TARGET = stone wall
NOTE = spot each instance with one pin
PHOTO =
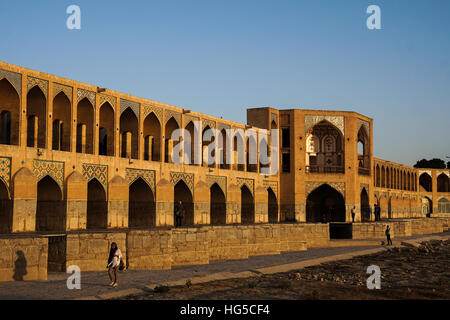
(23, 258)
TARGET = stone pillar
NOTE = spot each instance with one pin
(164, 203)
(82, 136)
(261, 205)
(149, 147)
(118, 192)
(201, 203)
(169, 150)
(76, 197)
(24, 190)
(233, 204)
(128, 137)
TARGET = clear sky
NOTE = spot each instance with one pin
(220, 57)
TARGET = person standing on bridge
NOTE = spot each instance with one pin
(115, 256)
(179, 213)
(353, 213)
(388, 235)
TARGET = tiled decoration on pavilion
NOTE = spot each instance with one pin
(208, 123)
(54, 169)
(188, 179)
(365, 124)
(188, 118)
(110, 99)
(220, 180)
(124, 104)
(42, 84)
(131, 175)
(364, 186)
(175, 115)
(223, 126)
(272, 185)
(97, 171)
(274, 118)
(68, 91)
(5, 170)
(156, 110)
(81, 94)
(250, 183)
(14, 78)
(312, 120)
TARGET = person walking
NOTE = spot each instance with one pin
(388, 235)
(353, 213)
(115, 256)
(179, 213)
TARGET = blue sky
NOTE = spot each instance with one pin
(220, 57)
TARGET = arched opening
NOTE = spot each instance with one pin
(247, 206)
(141, 205)
(9, 112)
(408, 182)
(106, 130)
(377, 176)
(5, 209)
(152, 138)
(36, 112)
(50, 207)
(238, 151)
(443, 205)
(129, 134)
(189, 156)
(97, 207)
(425, 183)
(224, 149)
(427, 206)
(388, 177)
(61, 123)
(85, 127)
(383, 177)
(325, 204)
(363, 151)
(272, 206)
(218, 206)
(205, 146)
(324, 149)
(365, 207)
(171, 126)
(184, 194)
(443, 183)
(251, 154)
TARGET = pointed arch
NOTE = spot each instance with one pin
(325, 203)
(61, 122)
(106, 130)
(5, 208)
(443, 183)
(183, 193)
(85, 127)
(272, 206)
(169, 144)
(425, 182)
(218, 207)
(36, 118)
(129, 134)
(97, 206)
(152, 137)
(247, 206)
(141, 205)
(189, 144)
(50, 207)
(9, 113)
(364, 205)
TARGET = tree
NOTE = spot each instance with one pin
(434, 163)
(448, 165)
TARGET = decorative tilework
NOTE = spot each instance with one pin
(189, 118)
(124, 104)
(42, 84)
(362, 186)
(14, 78)
(272, 184)
(54, 169)
(5, 170)
(313, 185)
(250, 183)
(188, 178)
(81, 94)
(111, 100)
(131, 175)
(312, 120)
(175, 115)
(273, 117)
(209, 123)
(97, 171)
(425, 171)
(223, 126)
(156, 110)
(444, 172)
(220, 180)
(68, 91)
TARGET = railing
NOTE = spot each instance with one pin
(325, 169)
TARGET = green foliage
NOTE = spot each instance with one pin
(434, 163)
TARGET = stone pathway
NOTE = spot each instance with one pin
(94, 285)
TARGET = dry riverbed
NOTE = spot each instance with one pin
(406, 273)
